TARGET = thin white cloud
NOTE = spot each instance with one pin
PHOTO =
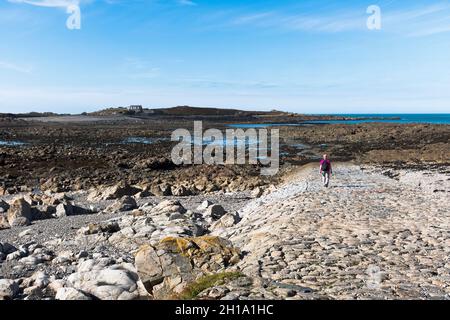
(335, 22)
(14, 67)
(137, 68)
(414, 21)
(418, 21)
(187, 3)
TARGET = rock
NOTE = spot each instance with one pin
(115, 192)
(65, 256)
(15, 255)
(94, 228)
(77, 210)
(31, 260)
(180, 191)
(8, 289)
(211, 187)
(116, 282)
(205, 204)
(167, 268)
(143, 194)
(7, 248)
(43, 212)
(82, 254)
(4, 224)
(20, 210)
(162, 190)
(126, 203)
(64, 210)
(215, 211)
(149, 267)
(40, 279)
(20, 222)
(257, 192)
(155, 266)
(176, 216)
(55, 285)
(25, 233)
(71, 294)
(226, 221)
(168, 207)
(128, 232)
(33, 292)
(4, 206)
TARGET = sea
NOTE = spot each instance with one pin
(435, 118)
(430, 118)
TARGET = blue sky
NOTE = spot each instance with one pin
(302, 56)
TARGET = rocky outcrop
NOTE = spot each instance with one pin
(169, 267)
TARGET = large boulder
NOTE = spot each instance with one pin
(116, 282)
(168, 268)
(19, 213)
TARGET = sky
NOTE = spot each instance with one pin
(312, 56)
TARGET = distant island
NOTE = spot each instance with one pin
(190, 111)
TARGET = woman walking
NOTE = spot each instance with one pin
(325, 170)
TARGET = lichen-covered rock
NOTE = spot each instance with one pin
(166, 269)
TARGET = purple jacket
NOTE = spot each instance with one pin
(328, 162)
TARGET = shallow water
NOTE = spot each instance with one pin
(226, 143)
(11, 143)
(141, 140)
